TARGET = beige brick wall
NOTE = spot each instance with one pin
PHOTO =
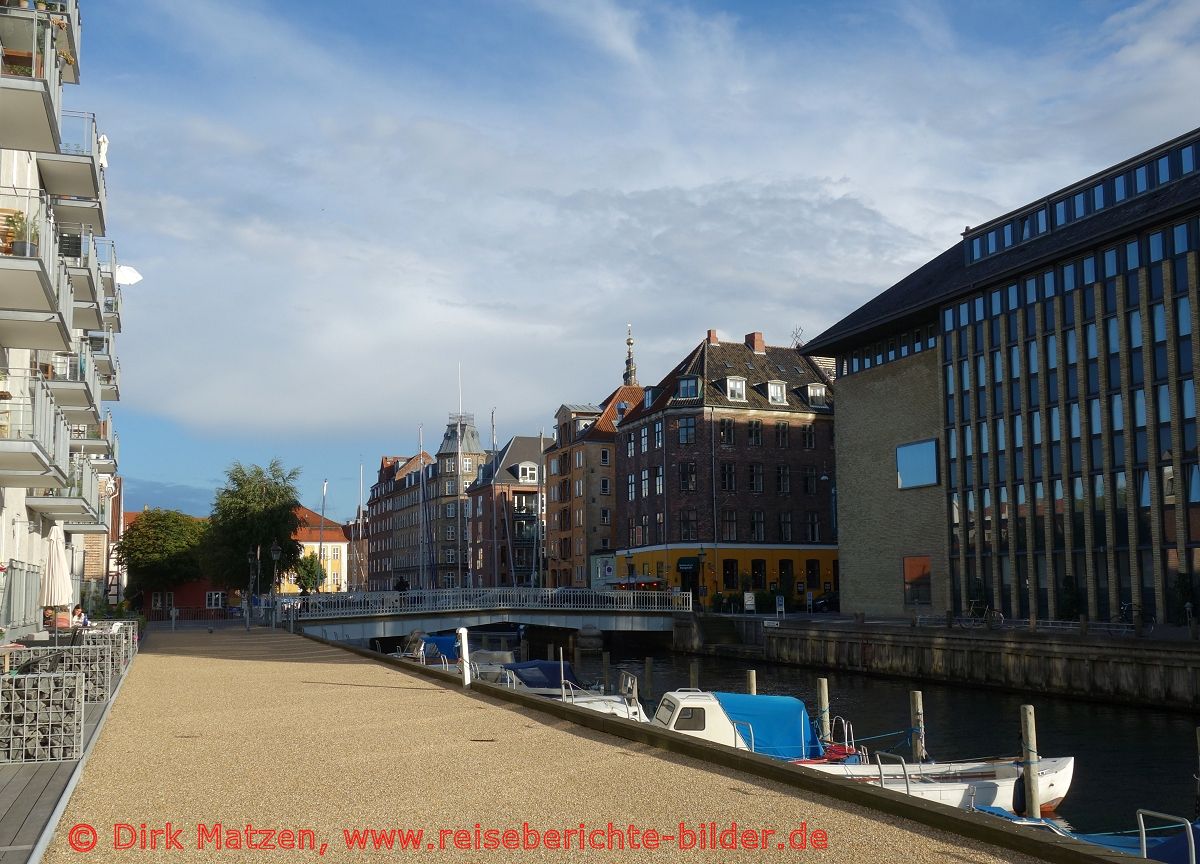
(879, 525)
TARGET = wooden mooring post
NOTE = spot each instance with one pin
(604, 671)
(694, 674)
(751, 682)
(916, 720)
(1029, 756)
(823, 708)
(648, 679)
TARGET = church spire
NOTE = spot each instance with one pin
(630, 377)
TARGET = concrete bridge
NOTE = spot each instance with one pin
(358, 618)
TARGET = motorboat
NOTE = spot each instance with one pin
(1142, 842)
(555, 679)
(779, 727)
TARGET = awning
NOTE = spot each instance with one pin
(688, 564)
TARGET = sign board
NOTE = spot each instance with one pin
(608, 568)
(779, 605)
(748, 602)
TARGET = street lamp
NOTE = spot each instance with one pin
(276, 551)
(832, 506)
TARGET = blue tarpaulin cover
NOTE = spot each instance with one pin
(780, 723)
(543, 673)
(447, 646)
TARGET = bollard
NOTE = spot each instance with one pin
(464, 656)
(694, 674)
(916, 721)
(823, 707)
(648, 678)
(604, 671)
(1029, 755)
(751, 682)
(1083, 624)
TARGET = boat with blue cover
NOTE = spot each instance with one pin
(1145, 842)
(779, 727)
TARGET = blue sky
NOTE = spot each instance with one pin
(333, 205)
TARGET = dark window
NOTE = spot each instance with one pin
(916, 464)
(754, 433)
(781, 434)
(687, 430)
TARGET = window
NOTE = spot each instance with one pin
(658, 480)
(604, 456)
(725, 430)
(578, 462)
(817, 397)
(728, 477)
(810, 480)
(781, 434)
(466, 464)
(756, 477)
(214, 600)
(687, 524)
(735, 389)
(916, 465)
(690, 720)
(450, 556)
(632, 487)
(452, 510)
(687, 430)
(689, 388)
(783, 479)
(629, 444)
(777, 392)
(645, 433)
(812, 527)
(645, 482)
(785, 527)
(658, 430)
(648, 397)
(729, 525)
(757, 526)
(604, 486)
(687, 476)
(754, 433)
(917, 581)
(808, 439)
(449, 532)
(337, 553)
(451, 488)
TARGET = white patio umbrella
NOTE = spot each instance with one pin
(126, 275)
(56, 587)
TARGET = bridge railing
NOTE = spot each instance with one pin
(483, 599)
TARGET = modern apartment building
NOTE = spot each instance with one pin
(505, 516)
(725, 475)
(60, 308)
(581, 486)
(1017, 418)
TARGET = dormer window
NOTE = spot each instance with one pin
(816, 396)
(528, 473)
(777, 392)
(648, 397)
(735, 388)
(689, 388)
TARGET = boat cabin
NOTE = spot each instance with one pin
(772, 725)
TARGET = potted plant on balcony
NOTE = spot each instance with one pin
(25, 235)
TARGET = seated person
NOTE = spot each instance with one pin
(79, 617)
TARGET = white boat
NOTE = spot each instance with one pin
(779, 726)
(555, 679)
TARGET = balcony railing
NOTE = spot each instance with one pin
(27, 226)
(20, 584)
(28, 51)
(110, 382)
(30, 414)
(76, 366)
(96, 432)
(106, 255)
(83, 486)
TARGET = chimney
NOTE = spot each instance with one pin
(754, 341)
(712, 337)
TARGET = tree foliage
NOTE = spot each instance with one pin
(161, 550)
(310, 575)
(255, 508)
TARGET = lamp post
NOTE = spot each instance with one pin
(629, 567)
(700, 556)
(832, 505)
(251, 558)
(276, 551)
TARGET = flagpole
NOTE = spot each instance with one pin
(321, 534)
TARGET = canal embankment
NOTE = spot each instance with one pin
(1119, 670)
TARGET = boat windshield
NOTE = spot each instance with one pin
(663, 715)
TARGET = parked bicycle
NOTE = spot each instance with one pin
(980, 613)
(1130, 612)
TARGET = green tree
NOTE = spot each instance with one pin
(161, 550)
(310, 575)
(255, 508)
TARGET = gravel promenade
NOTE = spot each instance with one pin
(284, 733)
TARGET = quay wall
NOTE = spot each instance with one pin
(1121, 670)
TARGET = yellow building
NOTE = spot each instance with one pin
(329, 541)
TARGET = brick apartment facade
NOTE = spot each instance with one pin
(505, 516)
(724, 475)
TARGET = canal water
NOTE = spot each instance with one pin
(1125, 757)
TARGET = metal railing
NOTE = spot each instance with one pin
(27, 50)
(1050, 624)
(102, 431)
(30, 414)
(80, 137)
(484, 599)
(76, 366)
(82, 483)
(106, 255)
(20, 583)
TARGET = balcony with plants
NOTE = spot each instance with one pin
(73, 380)
(32, 278)
(35, 48)
(34, 436)
(77, 501)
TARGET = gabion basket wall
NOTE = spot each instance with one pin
(41, 717)
(94, 661)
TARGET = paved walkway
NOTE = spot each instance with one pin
(282, 732)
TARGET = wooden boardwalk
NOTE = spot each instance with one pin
(29, 793)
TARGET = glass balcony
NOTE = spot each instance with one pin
(104, 351)
(31, 60)
(74, 176)
(32, 278)
(78, 501)
(73, 380)
(77, 247)
(106, 255)
(20, 611)
(110, 383)
(34, 437)
(112, 311)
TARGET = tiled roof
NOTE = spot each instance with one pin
(605, 427)
(948, 276)
(712, 364)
